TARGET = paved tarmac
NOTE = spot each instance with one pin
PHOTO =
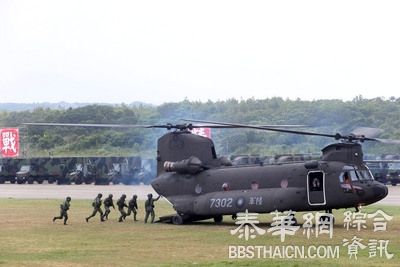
(52, 191)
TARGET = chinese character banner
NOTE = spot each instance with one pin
(9, 142)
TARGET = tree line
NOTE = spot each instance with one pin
(327, 116)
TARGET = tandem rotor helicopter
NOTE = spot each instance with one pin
(201, 186)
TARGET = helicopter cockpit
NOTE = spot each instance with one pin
(355, 174)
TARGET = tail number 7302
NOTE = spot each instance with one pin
(221, 202)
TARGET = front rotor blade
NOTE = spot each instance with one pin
(90, 125)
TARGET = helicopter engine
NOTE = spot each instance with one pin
(191, 165)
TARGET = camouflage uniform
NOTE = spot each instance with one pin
(149, 207)
(132, 207)
(108, 203)
(96, 208)
(121, 205)
(63, 210)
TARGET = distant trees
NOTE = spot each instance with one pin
(328, 116)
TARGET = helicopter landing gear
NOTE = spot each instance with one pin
(218, 218)
(177, 219)
(291, 222)
(234, 217)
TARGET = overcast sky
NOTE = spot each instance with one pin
(162, 51)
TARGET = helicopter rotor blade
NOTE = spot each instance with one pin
(167, 126)
(89, 125)
(367, 132)
(237, 125)
(360, 134)
(388, 141)
(231, 126)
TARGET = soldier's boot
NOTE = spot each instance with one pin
(120, 219)
(54, 219)
(65, 221)
(87, 219)
(134, 217)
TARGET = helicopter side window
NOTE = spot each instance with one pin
(315, 181)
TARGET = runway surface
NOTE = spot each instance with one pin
(52, 191)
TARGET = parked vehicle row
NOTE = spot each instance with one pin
(77, 170)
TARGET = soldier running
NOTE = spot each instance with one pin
(96, 208)
(149, 207)
(63, 211)
(132, 207)
(121, 205)
(108, 203)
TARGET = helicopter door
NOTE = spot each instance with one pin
(316, 188)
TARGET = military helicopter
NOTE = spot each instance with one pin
(201, 186)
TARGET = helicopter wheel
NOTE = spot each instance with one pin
(218, 219)
(234, 217)
(177, 219)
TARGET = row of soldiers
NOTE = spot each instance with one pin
(108, 203)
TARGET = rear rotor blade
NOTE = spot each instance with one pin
(237, 125)
(367, 132)
(388, 141)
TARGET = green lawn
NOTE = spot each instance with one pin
(29, 238)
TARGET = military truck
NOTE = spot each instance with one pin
(385, 168)
(80, 173)
(8, 169)
(148, 171)
(378, 169)
(78, 170)
(100, 170)
(125, 170)
(42, 169)
(393, 172)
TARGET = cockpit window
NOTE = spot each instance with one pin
(354, 174)
(348, 174)
(364, 174)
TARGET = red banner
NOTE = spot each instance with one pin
(9, 142)
(205, 132)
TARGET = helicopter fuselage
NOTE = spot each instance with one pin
(305, 186)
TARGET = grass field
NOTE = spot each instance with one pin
(29, 238)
